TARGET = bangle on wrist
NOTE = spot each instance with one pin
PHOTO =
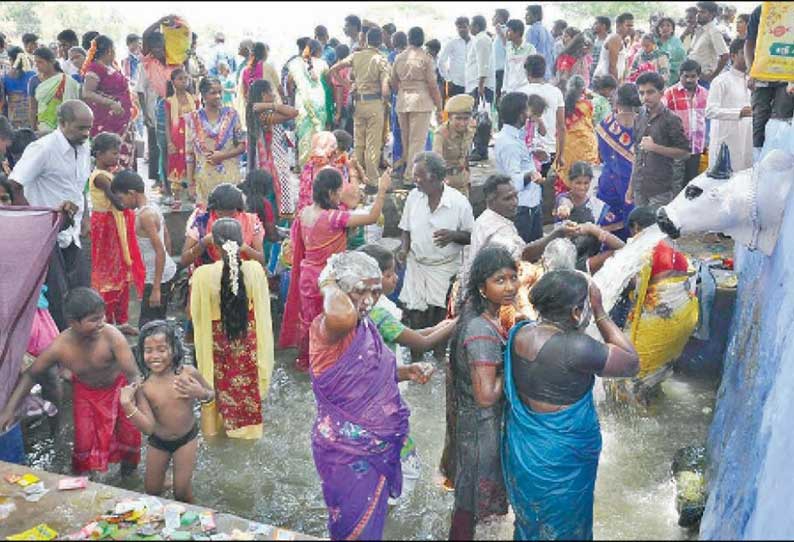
(133, 413)
(601, 318)
(209, 400)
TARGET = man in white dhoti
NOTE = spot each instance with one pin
(728, 107)
(436, 224)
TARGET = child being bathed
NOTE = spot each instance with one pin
(162, 407)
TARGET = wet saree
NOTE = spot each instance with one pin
(357, 436)
(114, 84)
(580, 142)
(312, 245)
(616, 148)
(102, 434)
(51, 93)
(238, 370)
(550, 462)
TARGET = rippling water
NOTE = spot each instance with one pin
(274, 480)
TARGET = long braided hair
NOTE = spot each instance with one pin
(255, 95)
(228, 235)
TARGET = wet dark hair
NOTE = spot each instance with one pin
(258, 52)
(628, 95)
(659, 23)
(492, 184)
(22, 138)
(29, 37)
(502, 13)
(606, 21)
(85, 42)
(301, 43)
(234, 308)
(460, 21)
(344, 141)
(13, 53)
(653, 78)
(511, 106)
(516, 25)
(69, 36)
(326, 181)
(45, 53)
(6, 130)
(536, 10)
(105, 141)
(557, 293)
(623, 17)
(375, 37)
(127, 181)
(226, 197)
(489, 260)
(389, 28)
(333, 42)
(580, 169)
(132, 38)
(711, 7)
(256, 93)
(381, 255)
(416, 36)
(480, 22)
(399, 40)
(573, 93)
(535, 66)
(82, 302)
(257, 186)
(320, 31)
(642, 217)
(173, 337)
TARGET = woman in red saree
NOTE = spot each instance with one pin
(178, 104)
(116, 259)
(319, 232)
(107, 91)
(574, 59)
(267, 141)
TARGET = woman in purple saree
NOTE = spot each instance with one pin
(362, 422)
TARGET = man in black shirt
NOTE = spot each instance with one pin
(659, 139)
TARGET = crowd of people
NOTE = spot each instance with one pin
(288, 172)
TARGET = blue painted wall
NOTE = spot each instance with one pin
(751, 440)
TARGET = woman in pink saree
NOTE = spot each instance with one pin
(107, 92)
(318, 232)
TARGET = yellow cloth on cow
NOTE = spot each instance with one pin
(177, 42)
(205, 308)
(664, 317)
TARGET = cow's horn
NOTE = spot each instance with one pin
(722, 167)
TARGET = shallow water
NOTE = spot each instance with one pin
(274, 480)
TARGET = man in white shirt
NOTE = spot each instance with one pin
(480, 77)
(728, 107)
(66, 40)
(52, 173)
(553, 117)
(517, 53)
(219, 53)
(452, 59)
(436, 224)
(500, 18)
(709, 48)
(514, 159)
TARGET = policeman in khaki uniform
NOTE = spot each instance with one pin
(370, 74)
(414, 80)
(453, 139)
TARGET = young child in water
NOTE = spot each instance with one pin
(101, 363)
(162, 407)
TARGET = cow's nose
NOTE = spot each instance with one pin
(666, 224)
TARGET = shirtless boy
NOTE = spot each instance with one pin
(101, 363)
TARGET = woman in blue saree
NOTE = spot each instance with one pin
(551, 440)
(616, 148)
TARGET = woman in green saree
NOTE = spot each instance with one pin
(308, 83)
(49, 89)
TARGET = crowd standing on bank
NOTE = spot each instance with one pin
(288, 170)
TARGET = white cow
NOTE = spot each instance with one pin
(748, 206)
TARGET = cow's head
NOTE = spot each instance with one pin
(748, 206)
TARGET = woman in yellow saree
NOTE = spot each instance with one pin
(230, 310)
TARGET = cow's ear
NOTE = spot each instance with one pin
(722, 167)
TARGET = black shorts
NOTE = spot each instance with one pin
(171, 446)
